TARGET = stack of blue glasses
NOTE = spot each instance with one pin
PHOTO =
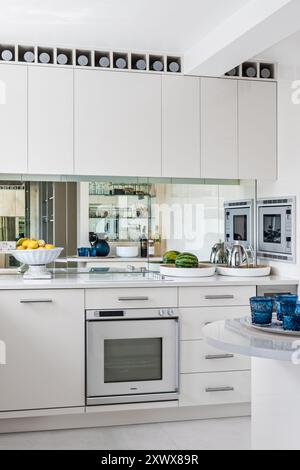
(287, 311)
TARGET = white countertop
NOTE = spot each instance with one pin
(234, 337)
(89, 281)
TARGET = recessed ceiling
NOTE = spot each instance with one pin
(154, 25)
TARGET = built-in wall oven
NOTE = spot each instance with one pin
(239, 225)
(132, 356)
(276, 228)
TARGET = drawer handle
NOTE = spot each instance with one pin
(219, 389)
(36, 301)
(219, 297)
(210, 357)
(131, 299)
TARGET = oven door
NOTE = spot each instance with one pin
(273, 230)
(238, 225)
(132, 357)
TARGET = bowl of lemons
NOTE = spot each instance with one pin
(36, 254)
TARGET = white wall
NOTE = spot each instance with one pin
(288, 183)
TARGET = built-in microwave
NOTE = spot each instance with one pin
(239, 224)
(276, 229)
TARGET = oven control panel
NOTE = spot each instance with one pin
(136, 314)
(168, 312)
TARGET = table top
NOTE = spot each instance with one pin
(235, 337)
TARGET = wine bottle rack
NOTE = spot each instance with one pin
(89, 58)
(254, 70)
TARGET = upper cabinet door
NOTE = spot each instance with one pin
(257, 130)
(50, 120)
(117, 123)
(13, 118)
(219, 128)
(181, 127)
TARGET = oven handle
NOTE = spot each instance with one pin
(132, 299)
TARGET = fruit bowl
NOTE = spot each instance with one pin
(37, 261)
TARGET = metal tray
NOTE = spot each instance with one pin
(275, 328)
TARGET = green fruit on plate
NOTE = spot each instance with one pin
(170, 257)
(186, 260)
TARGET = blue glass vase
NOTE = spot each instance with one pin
(261, 310)
(102, 248)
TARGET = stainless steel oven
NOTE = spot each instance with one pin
(276, 228)
(239, 224)
(131, 356)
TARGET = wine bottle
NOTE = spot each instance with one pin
(265, 72)
(174, 67)
(251, 72)
(157, 242)
(28, 56)
(82, 60)
(121, 63)
(157, 66)
(44, 58)
(6, 55)
(140, 64)
(144, 244)
(62, 59)
(104, 62)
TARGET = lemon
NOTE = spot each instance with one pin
(21, 247)
(21, 241)
(49, 247)
(41, 248)
(33, 245)
(42, 243)
(26, 243)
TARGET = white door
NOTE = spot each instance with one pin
(44, 335)
(180, 127)
(257, 130)
(13, 118)
(117, 123)
(50, 120)
(219, 128)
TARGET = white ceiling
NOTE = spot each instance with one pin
(156, 25)
(286, 52)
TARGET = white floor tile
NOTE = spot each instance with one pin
(229, 434)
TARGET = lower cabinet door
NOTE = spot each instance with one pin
(197, 356)
(43, 332)
(220, 388)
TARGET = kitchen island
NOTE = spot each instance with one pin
(275, 380)
(43, 326)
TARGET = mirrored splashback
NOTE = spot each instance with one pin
(129, 222)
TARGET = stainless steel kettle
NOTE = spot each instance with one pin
(219, 254)
(238, 255)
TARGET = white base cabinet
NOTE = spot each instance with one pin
(44, 335)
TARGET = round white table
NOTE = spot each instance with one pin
(275, 380)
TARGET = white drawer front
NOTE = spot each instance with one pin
(192, 320)
(197, 356)
(215, 389)
(215, 296)
(131, 298)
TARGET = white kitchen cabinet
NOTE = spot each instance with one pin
(50, 120)
(222, 388)
(219, 296)
(219, 128)
(257, 129)
(13, 118)
(44, 335)
(117, 123)
(180, 127)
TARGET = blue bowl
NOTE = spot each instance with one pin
(291, 322)
(261, 310)
(83, 252)
(285, 305)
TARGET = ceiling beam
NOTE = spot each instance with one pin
(252, 29)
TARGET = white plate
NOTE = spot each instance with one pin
(204, 270)
(258, 271)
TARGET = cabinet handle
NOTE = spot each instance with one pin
(218, 297)
(219, 389)
(210, 357)
(131, 299)
(36, 301)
